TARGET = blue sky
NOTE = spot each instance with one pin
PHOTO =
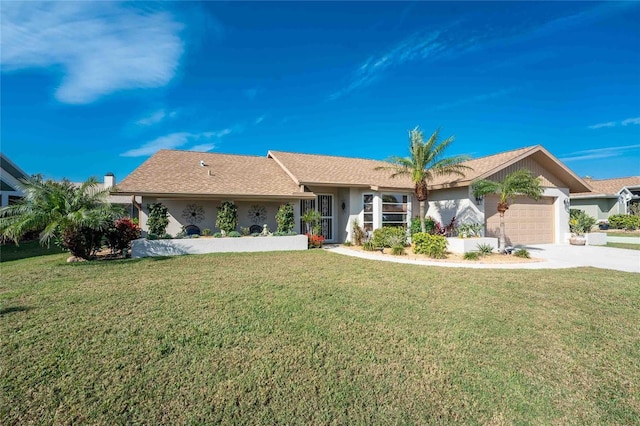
(95, 87)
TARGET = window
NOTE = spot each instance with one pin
(394, 210)
(367, 222)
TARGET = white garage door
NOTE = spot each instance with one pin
(526, 222)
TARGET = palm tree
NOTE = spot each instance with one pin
(424, 164)
(520, 182)
(75, 215)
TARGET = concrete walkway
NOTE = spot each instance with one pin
(556, 256)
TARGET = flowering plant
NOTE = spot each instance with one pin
(315, 240)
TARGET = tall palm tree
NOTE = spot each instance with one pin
(424, 163)
(520, 182)
(60, 210)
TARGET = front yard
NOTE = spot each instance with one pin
(313, 338)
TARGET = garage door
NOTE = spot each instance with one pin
(526, 222)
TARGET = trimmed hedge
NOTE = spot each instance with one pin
(434, 246)
(624, 221)
(389, 236)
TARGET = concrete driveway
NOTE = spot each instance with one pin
(566, 256)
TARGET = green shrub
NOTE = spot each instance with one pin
(206, 232)
(245, 230)
(472, 255)
(166, 237)
(284, 234)
(256, 234)
(469, 230)
(285, 218)
(357, 233)
(389, 236)
(434, 246)
(227, 219)
(347, 243)
(580, 222)
(234, 234)
(484, 249)
(152, 236)
(624, 221)
(429, 224)
(523, 252)
(397, 250)
(158, 218)
(368, 246)
(217, 235)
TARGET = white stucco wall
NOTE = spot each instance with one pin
(444, 204)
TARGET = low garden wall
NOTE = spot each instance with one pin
(149, 248)
(464, 245)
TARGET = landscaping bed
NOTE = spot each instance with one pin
(493, 258)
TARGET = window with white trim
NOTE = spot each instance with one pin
(367, 221)
(395, 208)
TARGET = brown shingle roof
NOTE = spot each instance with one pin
(312, 169)
(171, 172)
(609, 186)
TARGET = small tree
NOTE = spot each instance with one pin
(425, 162)
(158, 218)
(227, 219)
(520, 182)
(311, 219)
(120, 235)
(76, 216)
(285, 218)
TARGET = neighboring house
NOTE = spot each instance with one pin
(10, 175)
(608, 197)
(193, 184)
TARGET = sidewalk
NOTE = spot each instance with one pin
(556, 256)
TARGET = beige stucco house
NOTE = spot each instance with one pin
(193, 184)
(609, 197)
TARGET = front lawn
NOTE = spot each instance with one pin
(629, 246)
(314, 338)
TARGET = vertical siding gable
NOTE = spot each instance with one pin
(548, 179)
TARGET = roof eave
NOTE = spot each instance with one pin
(182, 195)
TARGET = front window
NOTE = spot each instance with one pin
(367, 223)
(394, 210)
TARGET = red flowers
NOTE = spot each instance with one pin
(315, 240)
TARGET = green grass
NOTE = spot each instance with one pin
(25, 250)
(314, 338)
(628, 246)
(622, 234)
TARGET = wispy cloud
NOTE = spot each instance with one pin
(101, 47)
(592, 154)
(205, 141)
(418, 46)
(601, 125)
(626, 122)
(474, 99)
(454, 40)
(259, 119)
(156, 117)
